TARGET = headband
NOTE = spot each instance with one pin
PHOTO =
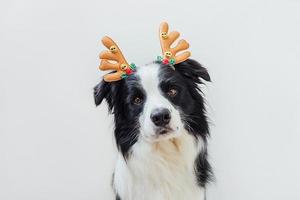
(113, 59)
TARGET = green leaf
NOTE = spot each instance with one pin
(172, 61)
(159, 58)
(133, 66)
(123, 76)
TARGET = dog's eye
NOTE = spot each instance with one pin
(137, 100)
(172, 92)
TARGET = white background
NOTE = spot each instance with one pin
(56, 145)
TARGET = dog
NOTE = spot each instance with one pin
(161, 132)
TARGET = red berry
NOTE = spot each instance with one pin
(165, 61)
(128, 71)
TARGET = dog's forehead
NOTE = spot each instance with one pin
(149, 76)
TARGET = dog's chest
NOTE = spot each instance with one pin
(164, 171)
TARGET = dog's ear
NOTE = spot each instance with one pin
(193, 70)
(103, 91)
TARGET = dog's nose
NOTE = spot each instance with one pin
(161, 117)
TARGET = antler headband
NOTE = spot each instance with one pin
(113, 59)
(169, 53)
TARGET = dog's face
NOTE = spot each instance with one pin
(156, 103)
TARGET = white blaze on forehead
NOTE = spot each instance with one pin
(149, 76)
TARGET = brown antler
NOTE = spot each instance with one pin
(113, 59)
(166, 41)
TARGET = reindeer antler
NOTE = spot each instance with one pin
(166, 41)
(113, 59)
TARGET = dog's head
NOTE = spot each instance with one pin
(156, 103)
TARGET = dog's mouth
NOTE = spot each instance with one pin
(163, 131)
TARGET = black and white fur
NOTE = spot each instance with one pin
(159, 161)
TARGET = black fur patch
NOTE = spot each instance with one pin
(118, 198)
(120, 96)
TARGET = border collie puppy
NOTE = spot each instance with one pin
(161, 132)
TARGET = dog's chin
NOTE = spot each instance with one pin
(162, 134)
